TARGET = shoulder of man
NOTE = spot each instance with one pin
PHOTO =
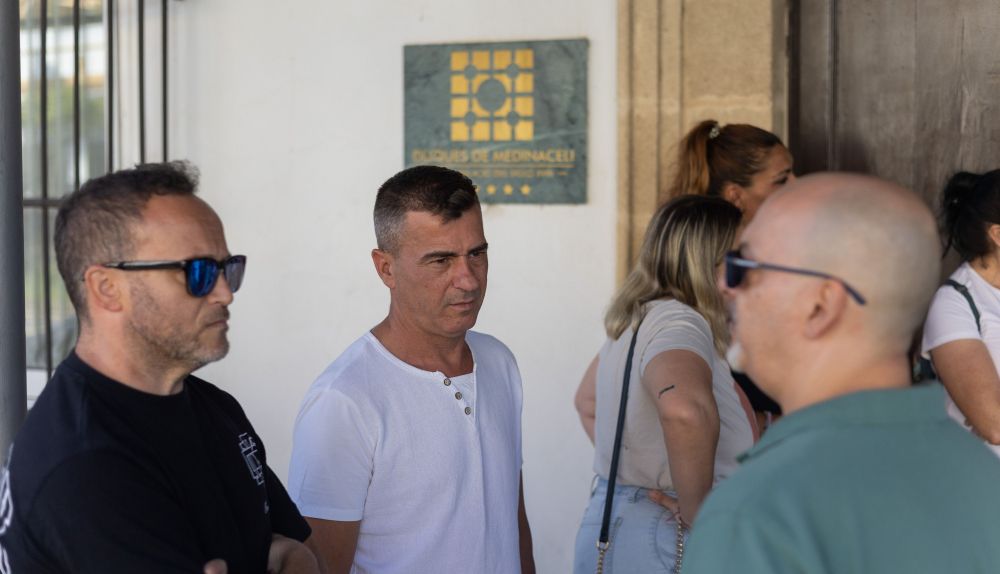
(483, 343)
(221, 411)
(778, 470)
(760, 518)
(350, 373)
(493, 358)
(204, 390)
(60, 425)
(750, 539)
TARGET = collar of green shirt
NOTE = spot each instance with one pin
(877, 407)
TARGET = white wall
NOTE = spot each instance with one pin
(293, 111)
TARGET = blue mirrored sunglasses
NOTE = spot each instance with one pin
(737, 267)
(200, 272)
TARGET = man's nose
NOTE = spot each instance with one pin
(464, 276)
(221, 292)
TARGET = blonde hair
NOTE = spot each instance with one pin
(684, 243)
(712, 155)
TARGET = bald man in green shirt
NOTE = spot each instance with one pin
(864, 473)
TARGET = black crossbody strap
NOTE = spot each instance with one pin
(968, 297)
(616, 450)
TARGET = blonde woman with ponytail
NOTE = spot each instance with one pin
(686, 420)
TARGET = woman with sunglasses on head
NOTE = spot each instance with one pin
(962, 332)
(685, 420)
(742, 164)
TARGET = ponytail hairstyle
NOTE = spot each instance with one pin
(711, 155)
(684, 244)
(970, 204)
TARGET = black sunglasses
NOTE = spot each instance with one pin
(200, 272)
(737, 266)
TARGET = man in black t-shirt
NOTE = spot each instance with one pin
(126, 462)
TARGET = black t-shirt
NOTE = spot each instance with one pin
(105, 478)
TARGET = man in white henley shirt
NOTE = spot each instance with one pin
(407, 449)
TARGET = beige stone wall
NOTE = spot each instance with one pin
(681, 61)
(728, 58)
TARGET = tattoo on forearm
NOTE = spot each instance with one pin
(660, 394)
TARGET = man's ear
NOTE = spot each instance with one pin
(384, 261)
(104, 289)
(994, 232)
(733, 193)
(828, 309)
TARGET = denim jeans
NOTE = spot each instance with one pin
(643, 534)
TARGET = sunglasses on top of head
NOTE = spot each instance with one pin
(737, 267)
(200, 273)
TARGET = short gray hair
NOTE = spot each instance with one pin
(438, 190)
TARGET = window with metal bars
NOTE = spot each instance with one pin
(83, 74)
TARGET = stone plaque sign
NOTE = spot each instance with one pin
(512, 116)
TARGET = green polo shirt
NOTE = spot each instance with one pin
(875, 481)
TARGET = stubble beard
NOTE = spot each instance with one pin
(472, 314)
(166, 344)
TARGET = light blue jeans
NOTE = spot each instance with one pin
(643, 534)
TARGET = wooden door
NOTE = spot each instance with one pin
(908, 90)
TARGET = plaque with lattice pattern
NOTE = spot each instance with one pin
(512, 116)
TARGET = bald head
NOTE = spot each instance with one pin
(877, 236)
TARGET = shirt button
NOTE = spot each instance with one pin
(447, 382)
(458, 395)
(468, 410)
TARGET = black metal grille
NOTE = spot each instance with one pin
(68, 133)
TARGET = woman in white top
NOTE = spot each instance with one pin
(964, 349)
(686, 420)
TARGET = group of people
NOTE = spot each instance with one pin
(811, 298)
(766, 325)
(407, 453)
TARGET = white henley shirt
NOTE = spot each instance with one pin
(429, 464)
